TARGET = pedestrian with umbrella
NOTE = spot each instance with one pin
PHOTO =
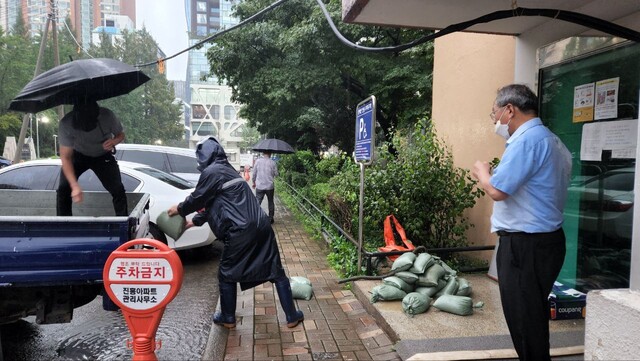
(265, 170)
(89, 133)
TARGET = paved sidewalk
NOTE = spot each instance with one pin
(336, 325)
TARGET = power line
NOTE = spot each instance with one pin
(74, 39)
(569, 16)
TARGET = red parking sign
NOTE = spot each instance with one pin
(142, 282)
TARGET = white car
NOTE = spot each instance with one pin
(178, 161)
(165, 190)
(605, 203)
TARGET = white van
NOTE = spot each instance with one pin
(178, 161)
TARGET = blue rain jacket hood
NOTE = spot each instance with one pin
(208, 151)
(225, 201)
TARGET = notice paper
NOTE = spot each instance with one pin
(620, 137)
(607, 98)
(583, 102)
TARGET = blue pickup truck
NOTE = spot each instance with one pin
(50, 265)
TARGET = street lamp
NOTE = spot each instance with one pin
(55, 144)
(45, 120)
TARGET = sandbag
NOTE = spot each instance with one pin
(173, 227)
(386, 293)
(458, 305)
(448, 270)
(431, 276)
(404, 262)
(464, 287)
(415, 303)
(450, 288)
(300, 279)
(301, 291)
(410, 278)
(397, 282)
(422, 262)
(427, 291)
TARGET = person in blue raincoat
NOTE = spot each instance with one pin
(250, 255)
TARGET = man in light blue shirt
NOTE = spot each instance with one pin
(529, 188)
(264, 172)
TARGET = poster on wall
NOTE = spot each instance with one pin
(620, 137)
(583, 103)
(607, 98)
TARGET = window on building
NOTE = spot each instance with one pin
(201, 18)
(229, 112)
(201, 30)
(198, 111)
(202, 6)
(215, 111)
(203, 128)
(238, 131)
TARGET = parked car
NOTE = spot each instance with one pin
(605, 203)
(165, 190)
(4, 162)
(178, 161)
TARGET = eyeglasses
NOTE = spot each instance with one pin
(492, 115)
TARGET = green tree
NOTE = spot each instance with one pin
(297, 82)
(17, 55)
(149, 113)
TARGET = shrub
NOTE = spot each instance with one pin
(420, 186)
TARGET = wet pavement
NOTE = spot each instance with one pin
(95, 334)
(341, 323)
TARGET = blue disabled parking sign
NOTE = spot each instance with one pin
(365, 130)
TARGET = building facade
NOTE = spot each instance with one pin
(84, 15)
(212, 112)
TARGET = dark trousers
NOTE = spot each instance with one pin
(106, 169)
(260, 195)
(528, 264)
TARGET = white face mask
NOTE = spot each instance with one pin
(502, 129)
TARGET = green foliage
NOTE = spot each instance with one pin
(420, 186)
(299, 83)
(147, 113)
(343, 258)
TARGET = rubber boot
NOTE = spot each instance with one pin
(286, 301)
(227, 315)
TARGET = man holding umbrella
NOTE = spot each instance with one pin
(88, 136)
(264, 171)
(89, 133)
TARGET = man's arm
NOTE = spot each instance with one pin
(110, 143)
(482, 174)
(66, 156)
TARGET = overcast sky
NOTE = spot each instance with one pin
(166, 22)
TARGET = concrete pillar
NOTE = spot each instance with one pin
(612, 324)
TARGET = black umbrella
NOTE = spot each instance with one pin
(76, 81)
(273, 146)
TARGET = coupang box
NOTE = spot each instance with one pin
(566, 303)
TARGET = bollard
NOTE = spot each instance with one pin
(142, 282)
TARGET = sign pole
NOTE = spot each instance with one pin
(363, 154)
(360, 216)
(142, 282)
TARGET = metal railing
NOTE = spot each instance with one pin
(318, 215)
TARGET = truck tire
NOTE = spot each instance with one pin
(156, 233)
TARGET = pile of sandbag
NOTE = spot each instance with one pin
(421, 279)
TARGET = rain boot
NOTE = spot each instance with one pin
(227, 315)
(286, 301)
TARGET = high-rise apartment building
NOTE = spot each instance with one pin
(212, 111)
(84, 15)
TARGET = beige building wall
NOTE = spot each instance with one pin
(468, 70)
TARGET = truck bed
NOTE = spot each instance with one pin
(39, 248)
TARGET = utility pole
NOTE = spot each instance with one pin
(43, 44)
